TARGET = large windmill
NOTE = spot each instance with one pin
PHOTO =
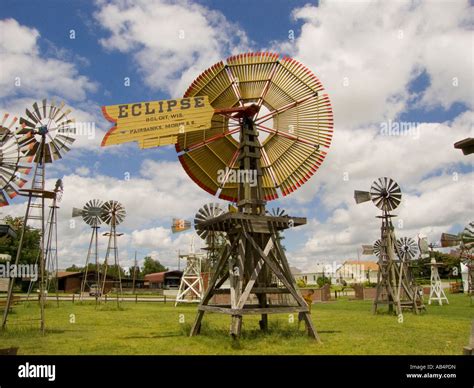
(113, 213)
(45, 134)
(395, 285)
(91, 214)
(218, 130)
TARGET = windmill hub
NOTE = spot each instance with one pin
(43, 130)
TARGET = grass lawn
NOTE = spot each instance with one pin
(345, 327)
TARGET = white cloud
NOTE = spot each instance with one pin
(22, 63)
(366, 54)
(170, 42)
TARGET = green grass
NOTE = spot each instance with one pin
(345, 327)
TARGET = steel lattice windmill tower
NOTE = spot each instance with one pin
(46, 133)
(395, 285)
(91, 213)
(113, 213)
(217, 129)
(51, 248)
(436, 290)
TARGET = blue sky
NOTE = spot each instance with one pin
(404, 79)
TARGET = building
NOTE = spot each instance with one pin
(71, 281)
(357, 271)
(311, 277)
(168, 280)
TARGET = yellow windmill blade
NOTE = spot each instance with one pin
(299, 123)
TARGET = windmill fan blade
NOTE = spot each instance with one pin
(205, 213)
(378, 248)
(11, 155)
(300, 129)
(406, 248)
(385, 194)
(112, 213)
(361, 196)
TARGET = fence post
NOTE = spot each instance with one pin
(165, 298)
(73, 298)
(136, 298)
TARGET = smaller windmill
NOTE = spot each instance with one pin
(191, 288)
(213, 239)
(46, 133)
(113, 214)
(394, 286)
(91, 213)
(465, 242)
(436, 290)
(11, 161)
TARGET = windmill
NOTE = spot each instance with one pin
(465, 241)
(91, 213)
(113, 213)
(214, 240)
(11, 161)
(219, 142)
(394, 284)
(191, 288)
(46, 133)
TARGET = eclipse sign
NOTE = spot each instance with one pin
(156, 123)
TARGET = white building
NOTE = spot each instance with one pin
(357, 271)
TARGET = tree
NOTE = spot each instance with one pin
(152, 266)
(74, 268)
(31, 241)
(322, 280)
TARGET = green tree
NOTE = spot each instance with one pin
(152, 266)
(31, 241)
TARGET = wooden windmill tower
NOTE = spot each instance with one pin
(395, 285)
(217, 128)
(91, 213)
(436, 290)
(191, 288)
(46, 133)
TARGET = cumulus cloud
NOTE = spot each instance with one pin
(171, 42)
(26, 72)
(367, 53)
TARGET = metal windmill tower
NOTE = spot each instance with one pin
(46, 133)
(51, 248)
(219, 146)
(113, 213)
(91, 213)
(394, 286)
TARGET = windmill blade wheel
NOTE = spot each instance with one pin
(205, 213)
